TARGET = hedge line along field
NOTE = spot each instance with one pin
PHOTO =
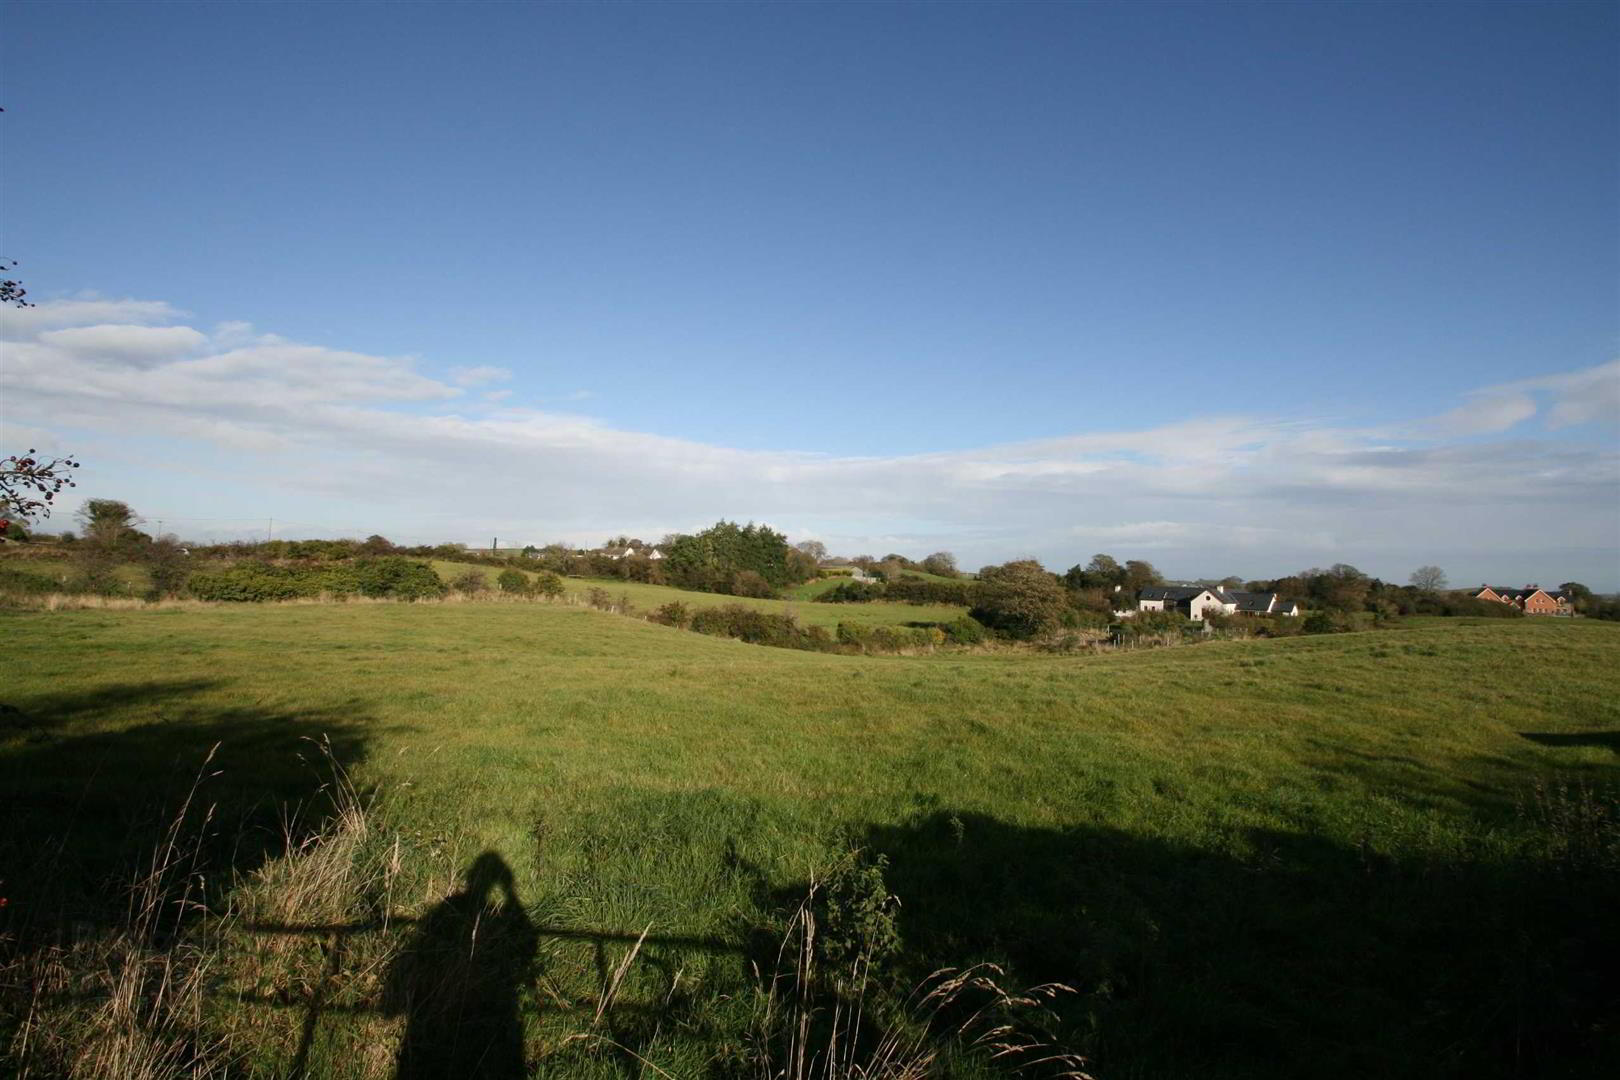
(648, 598)
(1389, 853)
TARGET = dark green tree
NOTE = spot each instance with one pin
(1020, 599)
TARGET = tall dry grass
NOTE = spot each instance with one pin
(813, 1023)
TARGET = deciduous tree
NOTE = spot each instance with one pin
(29, 484)
(1428, 578)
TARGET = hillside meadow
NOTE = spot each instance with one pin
(800, 600)
(1391, 853)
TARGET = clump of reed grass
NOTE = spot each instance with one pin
(818, 1024)
(124, 1001)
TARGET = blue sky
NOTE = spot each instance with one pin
(827, 265)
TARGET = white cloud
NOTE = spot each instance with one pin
(1214, 494)
(140, 346)
(478, 375)
(18, 324)
(1591, 395)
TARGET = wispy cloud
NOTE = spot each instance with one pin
(1206, 494)
(478, 375)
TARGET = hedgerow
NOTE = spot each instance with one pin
(388, 576)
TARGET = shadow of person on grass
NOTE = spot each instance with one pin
(460, 981)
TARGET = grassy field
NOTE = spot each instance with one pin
(647, 598)
(1382, 853)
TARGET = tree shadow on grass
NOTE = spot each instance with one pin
(1293, 956)
(1605, 740)
(87, 803)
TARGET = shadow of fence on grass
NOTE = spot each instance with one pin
(461, 980)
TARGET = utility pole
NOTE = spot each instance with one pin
(269, 529)
(494, 544)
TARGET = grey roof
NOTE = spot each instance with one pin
(1250, 601)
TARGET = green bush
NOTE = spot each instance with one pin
(1328, 622)
(965, 630)
(598, 598)
(852, 592)
(548, 585)
(674, 614)
(889, 638)
(395, 577)
(252, 583)
(16, 580)
(513, 582)
(915, 590)
(749, 583)
(385, 577)
(470, 582)
(1019, 599)
(1154, 624)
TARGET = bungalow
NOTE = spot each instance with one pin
(638, 549)
(1530, 600)
(1191, 600)
(1195, 602)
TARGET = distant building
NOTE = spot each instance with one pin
(1530, 599)
(1196, 602)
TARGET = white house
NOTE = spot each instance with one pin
(1191, 601)
(1195, 601)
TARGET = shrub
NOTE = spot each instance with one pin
(750, 583)
(548, 585)
(598, 598)
(1085, 619)
(890, 638)
(394, 577)
(470, 582)
(389, 576)
(1328, 622)
(14, 579)
(167, 564)
(251, 583)
(674, 614)
(965, 630)
(1277, 625)
(514, 582)
(1163, 624)
(851, 592)
(915, 590)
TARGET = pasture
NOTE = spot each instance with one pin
(800, 601)
(1380, 853)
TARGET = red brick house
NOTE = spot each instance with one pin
(1530, 600)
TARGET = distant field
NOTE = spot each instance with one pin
(647, 598)
(1333, 856)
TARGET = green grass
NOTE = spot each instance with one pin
(648, 598)
(1309, 856)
